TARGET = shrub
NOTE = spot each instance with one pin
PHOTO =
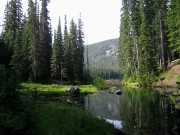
(99, 83)
(178, 78)
(178, 62)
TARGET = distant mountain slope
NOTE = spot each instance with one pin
(102, 53)
(103, 56)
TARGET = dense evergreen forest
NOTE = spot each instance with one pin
(149, 38)
(103, 59)
(27, 46)
(30, 52)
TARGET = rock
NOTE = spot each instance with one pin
(168, 92)
(74, 90)
(178, 101)
(111, 91)
(118, 92)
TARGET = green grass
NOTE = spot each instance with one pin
(88, 88)
(178, 78)
(61, 119)
(168, 75)
(53, 89)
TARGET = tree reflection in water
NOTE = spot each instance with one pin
(139, 111)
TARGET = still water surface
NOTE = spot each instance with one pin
(136, 111)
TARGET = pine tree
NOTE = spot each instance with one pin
(73, 69)
(148, 62)
(87, 76)
(33, 37)
(173, 23)
(12, 33)
(80, 53)
(57, 55)
(125, 42)
(66, 63)
(26, 63)
(146, 28)
(45, 43)
(135, 22)
(160, 40)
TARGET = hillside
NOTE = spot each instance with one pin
(103, 56)
(171, 77)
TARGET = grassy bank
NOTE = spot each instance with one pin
(171, 77)
(61, 119)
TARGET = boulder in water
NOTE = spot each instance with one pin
(75, 90)
(118, 92)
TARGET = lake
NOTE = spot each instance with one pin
(136, 111)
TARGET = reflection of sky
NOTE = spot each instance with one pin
(117, 124)
(104, 105)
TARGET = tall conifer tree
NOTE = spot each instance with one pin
(12, 33)
(34, 42)
(67, 50)
(57, 55)
(73, 69)
(125, 42)
(173, 22)
(45, 43)
(26, 64)
(148, 62)
(135, 22)
(80, 43)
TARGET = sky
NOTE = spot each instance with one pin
(101, 18)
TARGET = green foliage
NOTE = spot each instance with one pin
(178, 62)
(33, 46)
(45, 49)
(99, 83)
(178, 78)
(125, 43)
(26, 45)
(131, 79)
(5, 54)
(59, 119)
(80, 52)
(8, 83)
(73, 66)
(174, 27)
(143, 41)
(57, 55)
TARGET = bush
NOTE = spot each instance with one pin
(131, 79)
(178, 78)
(178, 62)
(8, 84)
(99, 83)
